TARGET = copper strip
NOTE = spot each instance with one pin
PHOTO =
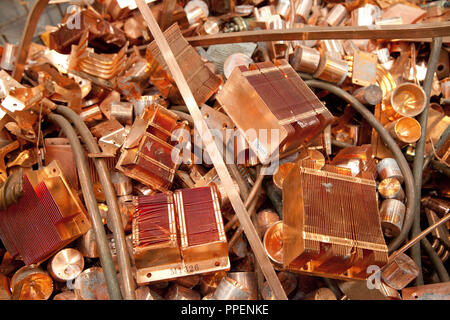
(213, 152)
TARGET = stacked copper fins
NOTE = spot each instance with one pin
(202, 82)
(45, 219)
(148, 153)
(326, 230)
(179, 234)
(273, 98)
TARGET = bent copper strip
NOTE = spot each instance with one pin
(213, 152)
(27, 36)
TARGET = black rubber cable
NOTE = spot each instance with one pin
(419, 154)
(105, 255)
(390, 142)
(123, 258)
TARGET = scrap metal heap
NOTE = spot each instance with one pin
(316, 135)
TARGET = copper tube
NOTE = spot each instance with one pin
(405, 130)
(392, 213)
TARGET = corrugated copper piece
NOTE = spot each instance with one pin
(400, 272)
(45, 219)
(392, 213)
(33, 284)
(325, 231)
(202, 82)
(66, 265)
(281, 111)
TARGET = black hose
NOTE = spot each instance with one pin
(123, 257)
(435, 260)
(92, 207)
(420, 151)
(390, 142)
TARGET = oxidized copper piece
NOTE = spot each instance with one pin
(91, 285)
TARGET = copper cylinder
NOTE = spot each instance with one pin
(91, 114)
(273, 242)
(321, 294)
(406, 100)
(248, 281)
(36, 284)
(122, 112)
(333, 48)
(211, 26)
(91, 285)
(65, 295)
(392, 213)
(177, 292)
(370, 95)
(388, 168)
(87, 245)
(390, 188)
(303, 9)
(235, 60)
(196, 11)
(283, 8)
(365, 15)
(188, 281)
(265, 219)
(405, 130)
(400, 272)
(438, 206)
(209, 282)
(336, 15)
(66, 265)
(229, 289)
(305, 59)
(9, 56)
(281, 173)
(122, 183)
(145, 293)
(331, 69)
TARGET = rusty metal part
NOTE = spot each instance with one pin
(435, 291)
(66, 265)
(91, 285)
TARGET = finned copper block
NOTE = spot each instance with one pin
(202, 82)
(148, 154)
(179, 235)
(272, 107)
(325, 230)
(45, 219)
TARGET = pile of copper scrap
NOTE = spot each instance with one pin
(339, 150)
